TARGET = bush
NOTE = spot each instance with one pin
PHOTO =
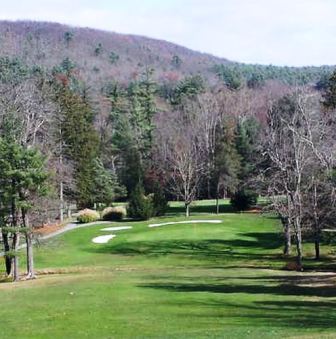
(87, 215)
(140, 207)
(244, 199)
(114, 213)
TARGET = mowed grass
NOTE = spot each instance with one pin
(178, 281)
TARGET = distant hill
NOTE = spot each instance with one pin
(100, 56)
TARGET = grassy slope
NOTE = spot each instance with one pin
(180, 281)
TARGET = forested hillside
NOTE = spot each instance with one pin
(100, 56)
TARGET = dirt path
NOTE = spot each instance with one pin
(66, 228)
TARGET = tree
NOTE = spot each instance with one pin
(256, 81)
(227, 164)
(329, 93)
(180, 155)
(132, 114)
(26, 111)
(79, 139)
(142, 111)
(22, 177)
(68, 37)
(99, 49)
(231, 76)
(176, 61)
(290, 155)
(114, 57)
(159, 200)
(105, 185)
(246, 143)
(188, 88)
(243, 199)
(319, 203)
(119, 147)
(139, 206)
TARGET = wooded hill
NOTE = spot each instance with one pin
(100, 56)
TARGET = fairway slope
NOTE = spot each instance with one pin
(190, 280)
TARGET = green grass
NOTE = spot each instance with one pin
(179, 281)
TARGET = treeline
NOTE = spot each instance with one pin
(237, 75)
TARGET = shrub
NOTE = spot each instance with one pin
(244, 199)
(140, 207)
(87, 215)
(114, 213)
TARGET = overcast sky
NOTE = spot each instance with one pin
(281, 32)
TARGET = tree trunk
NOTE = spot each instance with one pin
(61, 202)
(8, 260)
(217, 199)
(209, 188)
(287, 232)
(299, 255)
(29, 243)
(16, 241)
(16, 238)
(317, 244)
(69, 211)
(187, 211)
(61, 189)
(30, 255)
(299, 247)
(288, 241)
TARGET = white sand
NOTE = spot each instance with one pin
(187, 222)
(108, 229)
(103, 239)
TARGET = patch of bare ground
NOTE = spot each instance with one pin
(49, 228)
(314, 279)
(49, 274)
(51, 280)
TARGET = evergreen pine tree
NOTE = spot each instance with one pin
(80, 142)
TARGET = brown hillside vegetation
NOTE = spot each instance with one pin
(100, 55)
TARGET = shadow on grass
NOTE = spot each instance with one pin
(233, 250)
(254, 241)
(324, 264)
(288, 313)
(209, 209)
(281, 289)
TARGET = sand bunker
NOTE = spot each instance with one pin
(187, 222)
(118, 228)
(103, 239)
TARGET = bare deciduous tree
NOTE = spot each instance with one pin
(290, 156)
(180, 155)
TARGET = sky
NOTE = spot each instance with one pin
(278, 32)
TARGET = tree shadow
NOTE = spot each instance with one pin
(253, 241)
(210, 251)
(287, 312)
(197, 209)
(282, 289)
